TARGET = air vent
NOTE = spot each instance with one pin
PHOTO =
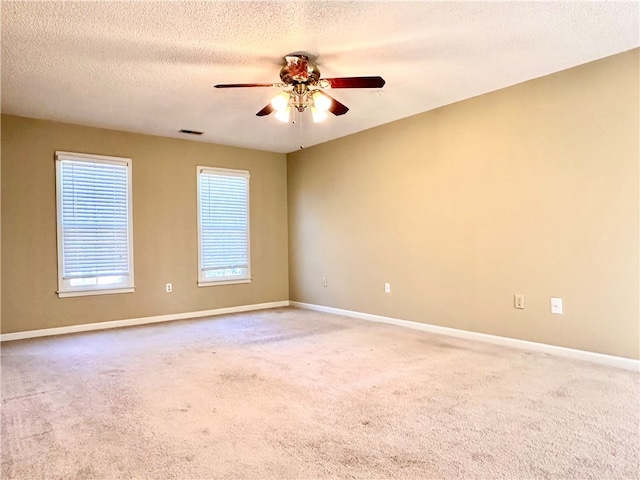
(190, 132)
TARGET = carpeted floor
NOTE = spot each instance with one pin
(295, 394)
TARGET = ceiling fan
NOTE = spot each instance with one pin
(304, 90)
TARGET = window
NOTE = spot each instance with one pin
(95, 241)
(223, 226)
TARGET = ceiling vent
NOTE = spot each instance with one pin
(190, 132)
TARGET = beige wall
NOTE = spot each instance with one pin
(164, 225)
(532, 189)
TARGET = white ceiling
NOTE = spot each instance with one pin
(150, 67)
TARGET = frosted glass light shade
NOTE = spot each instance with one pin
(283, 115)
(318, 115)
(321, 101)
(280, 102)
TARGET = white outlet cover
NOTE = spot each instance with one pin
(556, 305)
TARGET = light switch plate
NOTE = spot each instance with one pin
(556, 305)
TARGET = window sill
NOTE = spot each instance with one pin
(83, 293)
(223, 282)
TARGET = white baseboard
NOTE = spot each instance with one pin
(5, 337)
(600, 358)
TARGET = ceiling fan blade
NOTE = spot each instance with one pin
(336, 107)
(356, 82)
(240, 85)
(266, 110)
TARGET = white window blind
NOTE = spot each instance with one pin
(223, 220)
(94, 223)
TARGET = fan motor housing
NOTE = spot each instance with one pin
(299, 70)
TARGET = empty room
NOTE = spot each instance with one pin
(320, 239)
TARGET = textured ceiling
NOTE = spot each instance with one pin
(150, 66)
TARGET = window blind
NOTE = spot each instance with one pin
(95, 218)
(224, 223)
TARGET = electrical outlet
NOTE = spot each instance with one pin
(387, 288)
(556, 305)
(168, 288)
(518, 301)
(324, 281)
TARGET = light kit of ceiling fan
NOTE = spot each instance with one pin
(301, 100)
(303, 85)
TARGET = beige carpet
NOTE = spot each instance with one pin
(289, 393)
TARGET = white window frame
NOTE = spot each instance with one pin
(65, 289)
(204, 281)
